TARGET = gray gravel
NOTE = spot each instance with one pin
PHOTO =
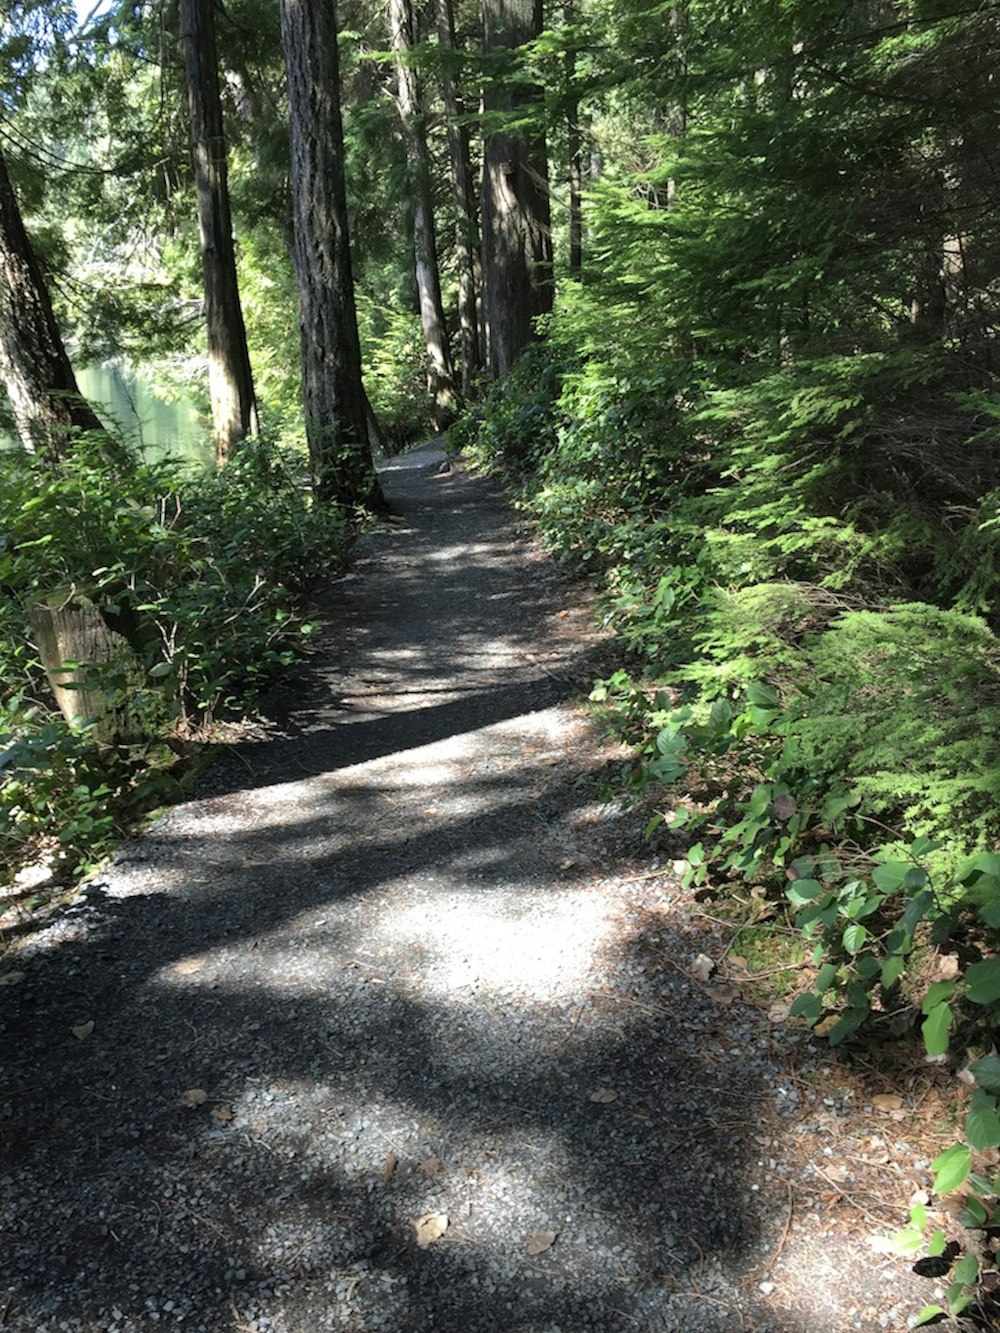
(384, 967)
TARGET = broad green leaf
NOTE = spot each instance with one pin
(721, 715)
(848, 1022)
(916, 909)
(928, 1313)
(803, 890)
(808, 1006)
(983, 981)
(986, 1072)
(957, 1297)
(915, 878)
(966, 1270)
(988, 904)
(951, 1168)
(891, 875)
(983, 863)
(935, 1029)
(908, 1241)
(835, 806)
(922, 846)
(937, 1244)
(825, 977)
(973, 1214)
(892, 970)
(761, 694)
(982, 1123)
(940, 990)
(653, 825)
(854, 937)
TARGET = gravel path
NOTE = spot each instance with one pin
(372, 1035)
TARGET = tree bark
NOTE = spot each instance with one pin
(106, 671)
(230, 380)
(332, 389)
(464, 204)
(37, 376)
(574, 146)
(441, 377)
(517, 237)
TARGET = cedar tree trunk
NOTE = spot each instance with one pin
(441, 377)
(334, 397)
(37, 376)
(230, 380)
(464, 203)
(517, 238)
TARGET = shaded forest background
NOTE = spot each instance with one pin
(712, 286)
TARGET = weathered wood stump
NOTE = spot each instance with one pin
(91, 666)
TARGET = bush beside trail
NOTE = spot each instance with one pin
(202, 575)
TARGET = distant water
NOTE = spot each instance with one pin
(154, 427)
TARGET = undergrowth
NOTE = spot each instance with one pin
(809, 679)
(197, 576)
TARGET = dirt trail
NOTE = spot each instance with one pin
(382, 1038)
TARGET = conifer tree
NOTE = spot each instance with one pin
(336, 408)
(517, 237)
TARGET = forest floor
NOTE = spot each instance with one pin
(398, 1026)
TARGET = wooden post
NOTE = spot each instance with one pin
(70, 628)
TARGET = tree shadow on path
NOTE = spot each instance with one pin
(392, 987)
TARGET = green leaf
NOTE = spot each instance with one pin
(848, 1022)
(891, 875)
(973, 1214)
(982, 1123)
(935, 1029)
(160, 670)
(940, 990)
(801, 891)
(836, 806)
(983, 981)
(653, 825)
(915, 878)
(951, 1168)
(928, 1313)
(854, 937)
(966, 1270)
(983, 863)
(916, 909)
(809, 1006)
(892, 970)
(986, 1072)
(761, 694)
(825, 977)
(937, 1244)
(907, 1241)
(957, 1297)
(721, 715)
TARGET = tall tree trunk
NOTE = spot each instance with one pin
(441, 377)
(517, 237)
(230, 380)
(37, 376)
(333, 393)
(463, 202)
(574, 147)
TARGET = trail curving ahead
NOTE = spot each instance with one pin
(381, 1038)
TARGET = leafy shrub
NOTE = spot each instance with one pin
(202, 572)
